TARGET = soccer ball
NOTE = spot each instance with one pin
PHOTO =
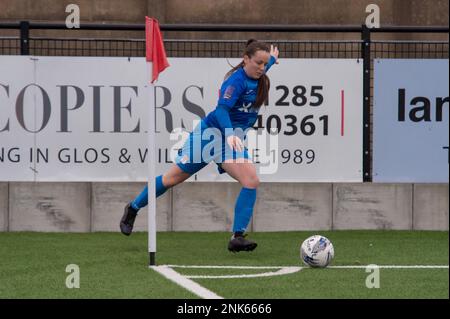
(317, 251)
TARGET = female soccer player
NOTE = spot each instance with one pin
(244, 90)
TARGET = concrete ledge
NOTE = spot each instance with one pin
(84, 207)
(293, 206)
(3, 207)
(49, 207)
(109, 200)
(430, 207)
(372, 206)
(204, 206)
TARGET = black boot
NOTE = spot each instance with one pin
(239, 243)
(127, 221)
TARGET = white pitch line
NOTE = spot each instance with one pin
(192, 286)
(282, 271)
(186, 283)
(226, 267)
(393, 267)
(335, 267)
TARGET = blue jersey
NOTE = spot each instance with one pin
(235, 106)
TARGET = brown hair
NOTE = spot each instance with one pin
(263, 82)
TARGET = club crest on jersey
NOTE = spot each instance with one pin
(246, 107)
(184, 159)
(228, 92)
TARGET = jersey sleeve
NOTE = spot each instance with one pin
(230, 91)
(271, 62)
(223, 118)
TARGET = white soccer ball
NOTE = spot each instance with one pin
(317, 251)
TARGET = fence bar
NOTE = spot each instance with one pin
(365, 53)
(231, 27)
(24, 38)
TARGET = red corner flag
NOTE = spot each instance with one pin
(154, 47)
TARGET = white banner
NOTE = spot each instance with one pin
(85, 118)
(410, 142)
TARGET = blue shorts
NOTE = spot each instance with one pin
(204, 145)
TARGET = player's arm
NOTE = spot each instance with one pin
(229, 94)
(273, 57)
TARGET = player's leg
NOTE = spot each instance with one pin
(244, 171)
(175, 175)
(185, 165)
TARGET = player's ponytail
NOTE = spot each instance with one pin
(250, 41)
(251, 48)
(263, 91)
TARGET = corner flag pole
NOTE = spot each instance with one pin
(154, 53)
(151, 180)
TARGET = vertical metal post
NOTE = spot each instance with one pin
(24, 38)
(151, 183)
(365, 53)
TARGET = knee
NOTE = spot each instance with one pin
(250, 182)
(173, 180)
(168, 181)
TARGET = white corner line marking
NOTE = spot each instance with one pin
(306, 267)
(393, 267)
(192, 286)
(282, 271)
(226, 267)
(185, 282)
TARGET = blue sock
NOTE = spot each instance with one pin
(243, 210)
(142, 199)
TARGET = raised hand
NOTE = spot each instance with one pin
(274, 52)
